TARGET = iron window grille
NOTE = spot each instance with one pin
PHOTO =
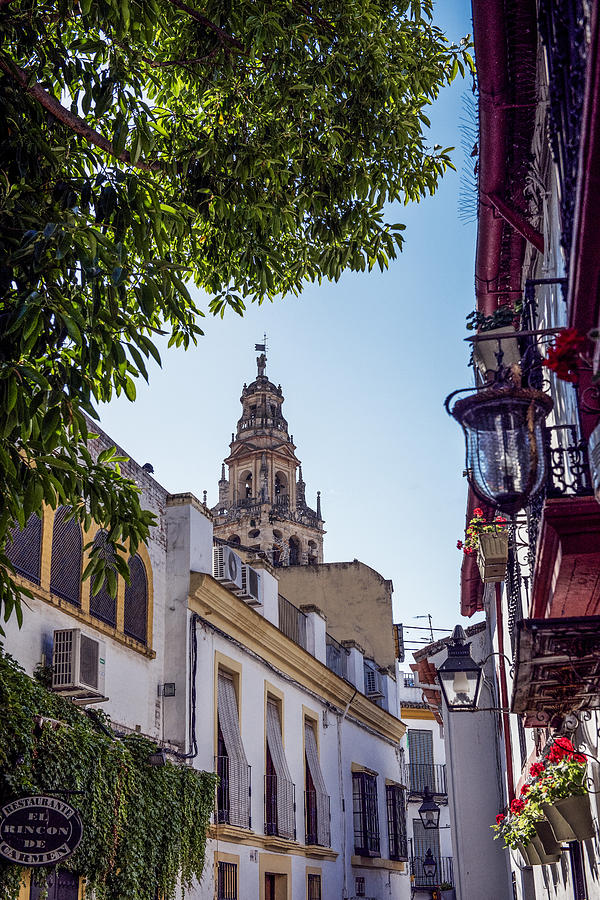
(313, 887)
(227, 879)
(359, 886)
(67, 557)
(365, 814)
(102, 605)
(135, 606)
(396, 812)
(24, 549)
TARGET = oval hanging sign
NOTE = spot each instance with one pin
(39, 830)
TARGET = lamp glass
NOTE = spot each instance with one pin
(461, 689)
(429, 865)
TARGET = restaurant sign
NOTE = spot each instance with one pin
(39, 831)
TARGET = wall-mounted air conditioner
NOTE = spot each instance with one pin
(251, 590)
(594, 455)
(77, 664)
(227, 567)
(373, 685)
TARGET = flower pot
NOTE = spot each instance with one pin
(561, 828)
(577, 813)
(530, 855)
(484, 352)
(545, 858)
(547, 837)
(492, 555)
(449, 894)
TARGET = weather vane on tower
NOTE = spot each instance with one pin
(261, 361)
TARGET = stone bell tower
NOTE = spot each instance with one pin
(262, 504)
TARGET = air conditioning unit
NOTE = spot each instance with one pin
(594, 455)
(227, 567)
(373, 684)
(251, 590)
(77, 664)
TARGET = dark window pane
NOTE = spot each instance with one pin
(102, 605)
(24, 549)
(65, 568)
(136, 601)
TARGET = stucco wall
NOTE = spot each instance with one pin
(356, 599)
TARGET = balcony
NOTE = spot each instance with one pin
(232, 777)
(444, 872)
(280, 807)
(292, 622)
(557, 667)
(337, 656)
(316, 819)
(422, 775)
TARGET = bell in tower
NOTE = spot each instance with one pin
(262, 505)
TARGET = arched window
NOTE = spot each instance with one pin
(102, 605)
(247, 485)
(135, 612)
(24, 549)
(234, 539)
(313, 556)
(65, 567)
(281, 484)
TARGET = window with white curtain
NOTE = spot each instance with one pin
(280, 815)
(317, 799)
(232, 766)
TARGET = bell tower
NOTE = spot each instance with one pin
(262, 504)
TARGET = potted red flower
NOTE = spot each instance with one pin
(489, 540)
(564, 356)
(560, 783)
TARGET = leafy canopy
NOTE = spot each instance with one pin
(241, 146)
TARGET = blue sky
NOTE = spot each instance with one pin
(364, 365)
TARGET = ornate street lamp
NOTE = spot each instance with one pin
(459, 675)
(429, 811)
(429, 864)
(504, 433)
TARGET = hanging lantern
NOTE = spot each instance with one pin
(459, 675)
(429, 811)
(504, 433)
(429, 864)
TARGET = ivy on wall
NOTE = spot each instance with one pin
(144, 826)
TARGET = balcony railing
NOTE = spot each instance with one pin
(231, 774)
(280, 807)
(422, 775)
(409, 681)
(337, 656)
(316, 831)
(444, 871)
(292, 621)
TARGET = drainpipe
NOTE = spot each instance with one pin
(504, 695)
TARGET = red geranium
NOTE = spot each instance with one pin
(579, 757)
(517, 806)
(525, 790)
(536, 769)
(500, 818)
(477, 511)
(563, 357)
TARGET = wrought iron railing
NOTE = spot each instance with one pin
(422, 775)
(336, 656)
(230, 772)
(280, 807)
(444, 871)
(316, 831)
(396, 816)
(562, 25)
(292, 621)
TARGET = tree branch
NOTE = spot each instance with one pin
(224, 36)
(75, 123)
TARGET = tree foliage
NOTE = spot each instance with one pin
(241, 146)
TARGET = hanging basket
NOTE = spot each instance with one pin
(577, 813)
(561, 828)
(529, 854)
(492, 555)
(547, 837)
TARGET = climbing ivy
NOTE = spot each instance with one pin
(144, 826)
